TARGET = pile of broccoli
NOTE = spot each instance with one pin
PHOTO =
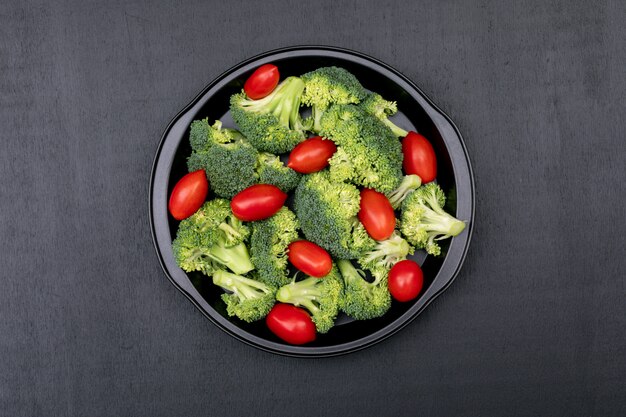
(250, 260)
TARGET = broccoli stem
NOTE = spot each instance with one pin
(197, 254)
(197, 260)
(317, 113)
(243, 287)
(290, 112)
(348, 271)
(283, 102)
(388, 252)
(236, 258)
(230, 231)
(397, 130)
(409, 184)
(441, 222)
(352, 275)
(302, 293)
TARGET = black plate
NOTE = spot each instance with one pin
(417, 112)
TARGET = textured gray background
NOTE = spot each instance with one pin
(535, 323)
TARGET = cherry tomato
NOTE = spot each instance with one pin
(406, 280)
(419, 157)
(376, 214)
(292, 324)
(311, 155)
(257, 202)
(262, 81)
(188, 194)
(310, 258)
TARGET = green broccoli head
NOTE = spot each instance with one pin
(424, 222)
(322, 297)
(227, 158)
(363, 300)
(232, 163)
(327, 211)
(269, 245)
(409, 184)
(271, 170)
(368, 154)
(191, 254)
(386, 254)
(375, 104)
(248, 298)
(273, 123)
(210, 238)
(202, 135)
(330, 85)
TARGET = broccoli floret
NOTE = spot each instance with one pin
(409, 184)
(248, 299)
(330, 85)
(363, 300)
(368, 154)
(273, 123)
(202, 136)
(382, 109)
(320, 296)
(327, 212)
(212, 238)
(386, 254)
(232, 163)
(271, 170)
(227, 158)
(424, 222)
(268, 245)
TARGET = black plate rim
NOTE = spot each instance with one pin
(358, 344)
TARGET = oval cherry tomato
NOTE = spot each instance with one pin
(257, 202)
(310, 258)
(262, 81)
(405, 280)
(312, 155)
(290, 323)
(376, 214)
(419, 157)
(188, 194)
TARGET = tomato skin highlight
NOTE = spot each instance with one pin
(291, 324)
(405, 281)
(310, 258)
(311, 155)
(376, 214)
(419, 157)
(188, 195)
(262, 81)
(257, 202)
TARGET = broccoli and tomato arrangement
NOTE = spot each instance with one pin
(362, 197)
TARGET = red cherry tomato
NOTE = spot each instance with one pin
(310, 258)
(406, 280)
(419, 157)
(188, 194)
(291, 324)
(257, 202)
(311, 155)
(262, 81)
(376, 214)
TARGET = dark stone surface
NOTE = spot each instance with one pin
(534, 324)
